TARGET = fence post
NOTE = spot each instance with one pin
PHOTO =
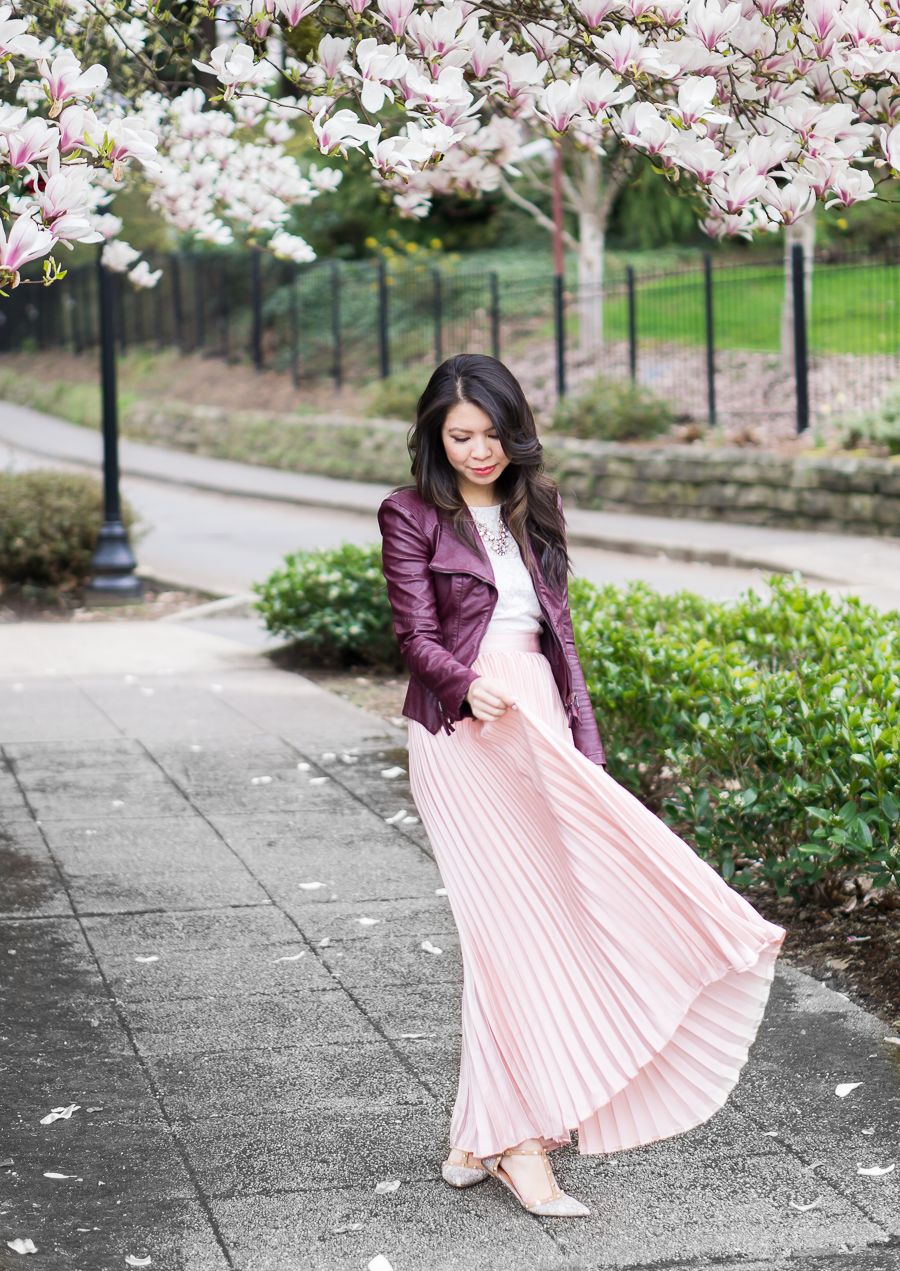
(295, 328)
(177, 310)
(438, 318)
(559, 323)
(256, 306)
(158, 314)
(710, 339)
(384, 352)
(632, 323)
(337, 365)
(40, 329)
(495, 314)
(224, 350)
(801, 348)
(199, 315)
(118, 286)
(76, 308)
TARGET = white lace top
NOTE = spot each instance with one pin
(517, 607)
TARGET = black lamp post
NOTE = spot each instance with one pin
(113, 562)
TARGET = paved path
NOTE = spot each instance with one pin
(250, 1061)
(220, 525)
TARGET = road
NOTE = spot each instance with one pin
(223, 543)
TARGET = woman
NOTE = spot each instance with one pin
(612, 981)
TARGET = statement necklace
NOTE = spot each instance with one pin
(499, 540)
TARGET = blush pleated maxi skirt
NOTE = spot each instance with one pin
(613, 982)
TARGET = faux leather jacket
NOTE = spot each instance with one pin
(442, 595)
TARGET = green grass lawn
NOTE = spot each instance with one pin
(854, 309)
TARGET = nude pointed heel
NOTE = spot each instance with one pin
(463, 1175)
(558, 1204)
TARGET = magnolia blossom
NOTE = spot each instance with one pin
(332, 55)
(601, 89)
(233, 66)
(695, 96)
(291, 247)
(126, 139)
(142, 275)
(890, 147)
(377, 63)
(27, 241)
(759, 107)
(65, 80)
(30, 143)
(118, 256)
(75, 123)
(294, 11)
(13, 38)
(341, 130)
(396, 14)
(560, 103)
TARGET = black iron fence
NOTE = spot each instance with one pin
(754, 342)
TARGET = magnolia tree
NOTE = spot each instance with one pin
(759, 109)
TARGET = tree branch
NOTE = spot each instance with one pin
(534, 211)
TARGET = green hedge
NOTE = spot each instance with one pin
(334, 606)
(766, 731)
(612, 410)
(49, 523)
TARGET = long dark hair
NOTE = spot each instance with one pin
(529, 498)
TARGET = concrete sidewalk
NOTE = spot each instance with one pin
(865, 564)
(186, 857)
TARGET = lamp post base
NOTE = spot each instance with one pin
(114, 581)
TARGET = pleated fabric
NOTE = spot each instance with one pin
(613, 982)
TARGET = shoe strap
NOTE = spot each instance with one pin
(536, 1151)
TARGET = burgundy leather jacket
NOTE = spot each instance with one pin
(442, 595)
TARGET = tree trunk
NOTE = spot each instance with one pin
(591, 245)
(594, 183)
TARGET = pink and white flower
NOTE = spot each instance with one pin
(143, 276)
(65, 81)
(341, 130)
(234, 66)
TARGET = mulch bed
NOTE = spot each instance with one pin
(856, 952)
(69, 605)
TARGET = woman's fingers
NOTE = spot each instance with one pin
(496, 694)
(489, 699)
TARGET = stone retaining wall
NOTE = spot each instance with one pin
(842, 493)
(839, 493)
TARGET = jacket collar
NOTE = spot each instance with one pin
(455, 557)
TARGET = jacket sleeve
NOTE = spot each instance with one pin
(405, 556)
(585, 732)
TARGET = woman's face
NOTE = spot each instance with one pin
(473, 450)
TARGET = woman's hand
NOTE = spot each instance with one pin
(488, 698)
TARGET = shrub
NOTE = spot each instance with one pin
(766, 732)
(879, 428)
(613, 410)
(396, 396)
(48, 527)
(333, 604)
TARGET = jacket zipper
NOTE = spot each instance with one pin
(571, 701)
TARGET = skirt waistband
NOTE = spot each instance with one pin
(510, 641)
